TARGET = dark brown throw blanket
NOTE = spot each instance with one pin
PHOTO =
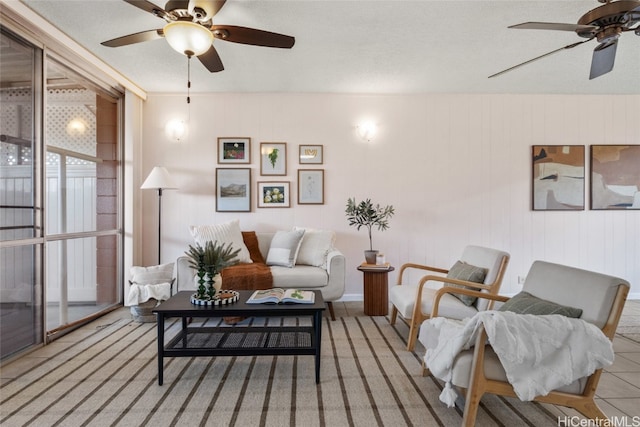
(248, 276)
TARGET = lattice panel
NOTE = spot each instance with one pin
(67, 107)
(71, 124)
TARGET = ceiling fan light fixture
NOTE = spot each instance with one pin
(188, 38)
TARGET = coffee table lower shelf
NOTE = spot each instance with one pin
(229, 341)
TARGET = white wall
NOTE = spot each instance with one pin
(457, 168)
(133, 244)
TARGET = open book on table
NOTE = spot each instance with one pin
(281, 296)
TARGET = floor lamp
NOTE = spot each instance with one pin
(159, 179)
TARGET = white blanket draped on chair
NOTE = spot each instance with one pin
(143, 293)
(539, 353)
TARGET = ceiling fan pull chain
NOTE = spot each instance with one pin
(189, 79)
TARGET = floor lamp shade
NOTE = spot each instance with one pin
(159, 179)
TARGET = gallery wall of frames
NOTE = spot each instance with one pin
(233, 177)
(559, 177)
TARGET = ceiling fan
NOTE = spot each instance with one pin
(189, 29)
(605, 23)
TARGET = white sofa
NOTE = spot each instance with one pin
(328, 279)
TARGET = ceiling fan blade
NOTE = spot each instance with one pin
(143, 36)
(147, 6)
(569, 46)
(554, 26)
(217, 5)
(604, 56)
(633, 16)
(209, 7)
(176, 4)
(211, 60)
(244, 35)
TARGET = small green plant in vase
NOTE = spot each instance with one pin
(209, 263)
(196, 260)
(366, 214)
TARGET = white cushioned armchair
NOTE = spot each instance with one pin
(550, 289)
(416, 302)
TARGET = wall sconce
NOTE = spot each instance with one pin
(175, 130)
(76, 127)
(367, 130)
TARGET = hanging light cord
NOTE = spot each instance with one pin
(188, 79)
(189, 55)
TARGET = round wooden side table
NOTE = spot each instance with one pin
(376, 293)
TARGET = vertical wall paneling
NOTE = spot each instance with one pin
(457, 168)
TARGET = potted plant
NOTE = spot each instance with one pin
(366, 214)
(209, 263)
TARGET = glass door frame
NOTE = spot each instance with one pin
(37, 240)
(118, 99)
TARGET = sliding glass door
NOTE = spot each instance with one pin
(21, 243)
(60, 197)
(81, 198)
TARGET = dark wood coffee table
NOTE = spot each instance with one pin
(239, 340)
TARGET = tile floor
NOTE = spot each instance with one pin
(619, 389)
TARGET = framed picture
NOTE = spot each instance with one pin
(310, 154)
(233, 190)
(234, 150)
(615, 177)
(558, 177)
(310, 186)
(273, 158)
(273, 194)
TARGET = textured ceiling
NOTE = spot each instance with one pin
(362, 46)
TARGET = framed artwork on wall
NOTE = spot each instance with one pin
(310, 186)
(233, 190)
(615, 177)
(234, 150)
(273, 158)
(310, 154)
(273, 194)
(558, 177)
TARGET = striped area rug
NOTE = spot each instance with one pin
(109, 378)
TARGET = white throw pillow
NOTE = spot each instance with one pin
(225, 233)
(284, 248)
(316, 244)
(153, 275)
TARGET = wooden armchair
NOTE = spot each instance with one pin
(478, 370)
(417, 302)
